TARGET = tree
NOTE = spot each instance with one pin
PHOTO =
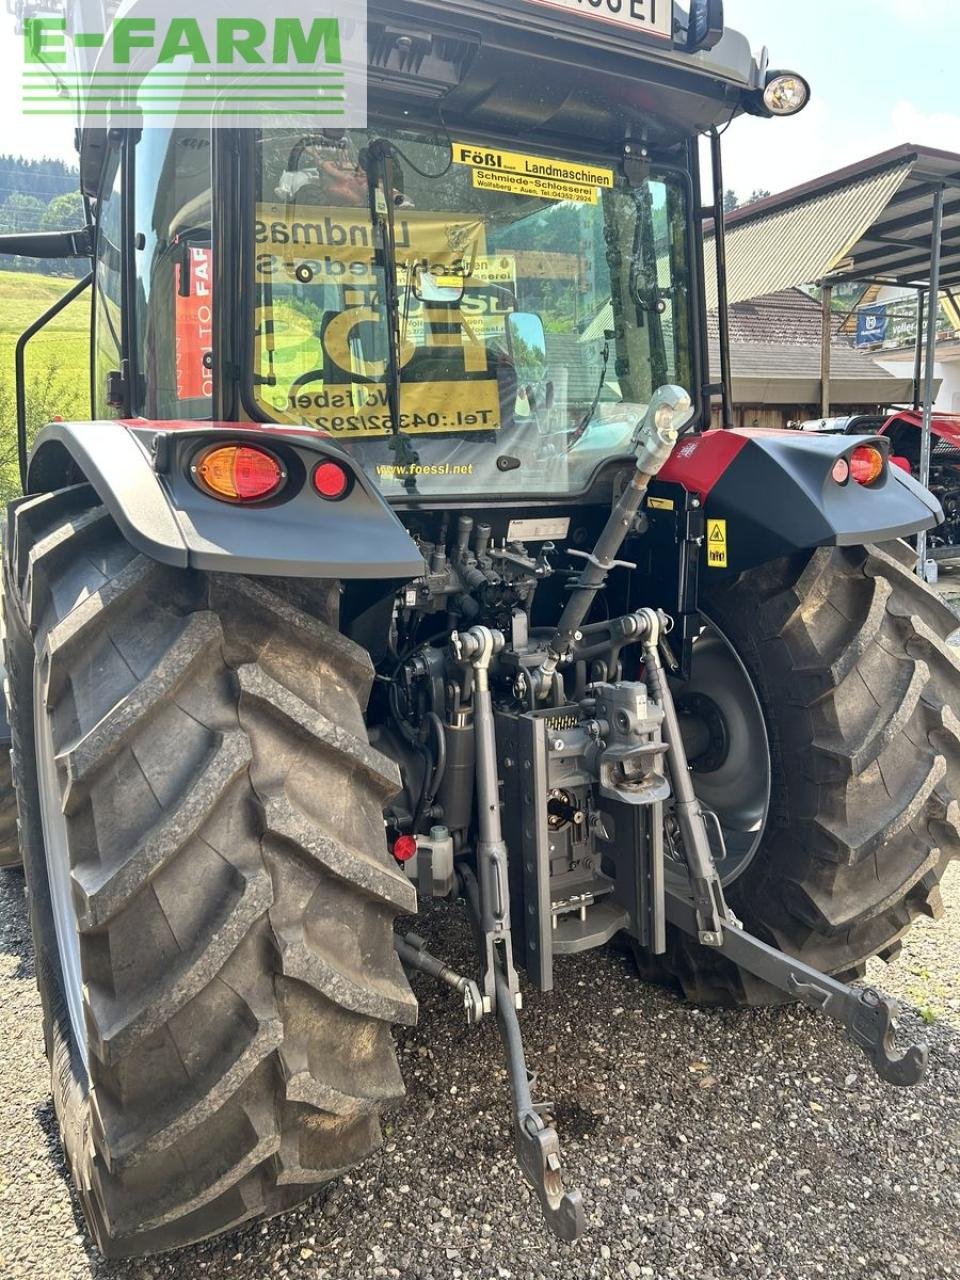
(731, 200)
(760, 193)
(64, 213)
(21, 213)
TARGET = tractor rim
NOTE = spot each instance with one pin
(57, 852)
(728, 746)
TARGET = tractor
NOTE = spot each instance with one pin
(398, 563)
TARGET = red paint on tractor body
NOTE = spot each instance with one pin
(698, 462)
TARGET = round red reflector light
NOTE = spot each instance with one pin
(841, 471)
(404, 848)
(239, 473)
(866, 464)
(331, 481)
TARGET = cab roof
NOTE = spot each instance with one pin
(537, 69)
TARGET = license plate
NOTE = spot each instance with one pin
(646, 17)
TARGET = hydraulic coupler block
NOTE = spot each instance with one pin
(627, 751)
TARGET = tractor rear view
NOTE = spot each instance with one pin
(398, 563)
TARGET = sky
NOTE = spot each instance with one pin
(883, 72)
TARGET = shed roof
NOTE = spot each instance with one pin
(870, 221)
(788, 316)
(779, 373)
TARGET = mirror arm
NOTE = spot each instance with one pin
(50, 244)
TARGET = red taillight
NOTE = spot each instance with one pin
(866, 464)
(404, 848)
(239, 473)
(331, 481)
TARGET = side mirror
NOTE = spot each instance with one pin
(49, 244)
(527, 346)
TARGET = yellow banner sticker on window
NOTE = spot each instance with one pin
(312, 244)
(542, 188)
(496, 161)
(717, 544)
(355, 410)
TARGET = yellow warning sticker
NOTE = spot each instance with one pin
(660, 504)
(522, 174)
(717, 544)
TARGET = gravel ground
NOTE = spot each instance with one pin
(748, 1144)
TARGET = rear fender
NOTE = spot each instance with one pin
(774, 494)
(141, 472)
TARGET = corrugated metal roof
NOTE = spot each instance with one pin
(804, 242)
(896, 247)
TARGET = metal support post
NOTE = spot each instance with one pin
(826, 336)
(720, 244)
(918, 355)
(933, 307)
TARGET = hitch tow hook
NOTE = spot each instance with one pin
(537, 1143)
(870, 1020)
(868, 1017)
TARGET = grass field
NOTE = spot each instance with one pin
(57, 365)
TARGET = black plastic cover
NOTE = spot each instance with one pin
(141, 472)
(779, 496)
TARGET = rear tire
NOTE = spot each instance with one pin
(229, 883)
(861, 694)
(9, 830)
(9, 834)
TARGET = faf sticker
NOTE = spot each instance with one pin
(717, 544)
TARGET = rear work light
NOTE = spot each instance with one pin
(867, 464)
(239, 473)
(331, 481)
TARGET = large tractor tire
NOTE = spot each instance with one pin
(9, 831)
(211, 896)
(9, 834)
(839, 786)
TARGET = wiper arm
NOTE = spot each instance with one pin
(380, 184)
(582, 427)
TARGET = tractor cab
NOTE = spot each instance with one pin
(476, 294)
